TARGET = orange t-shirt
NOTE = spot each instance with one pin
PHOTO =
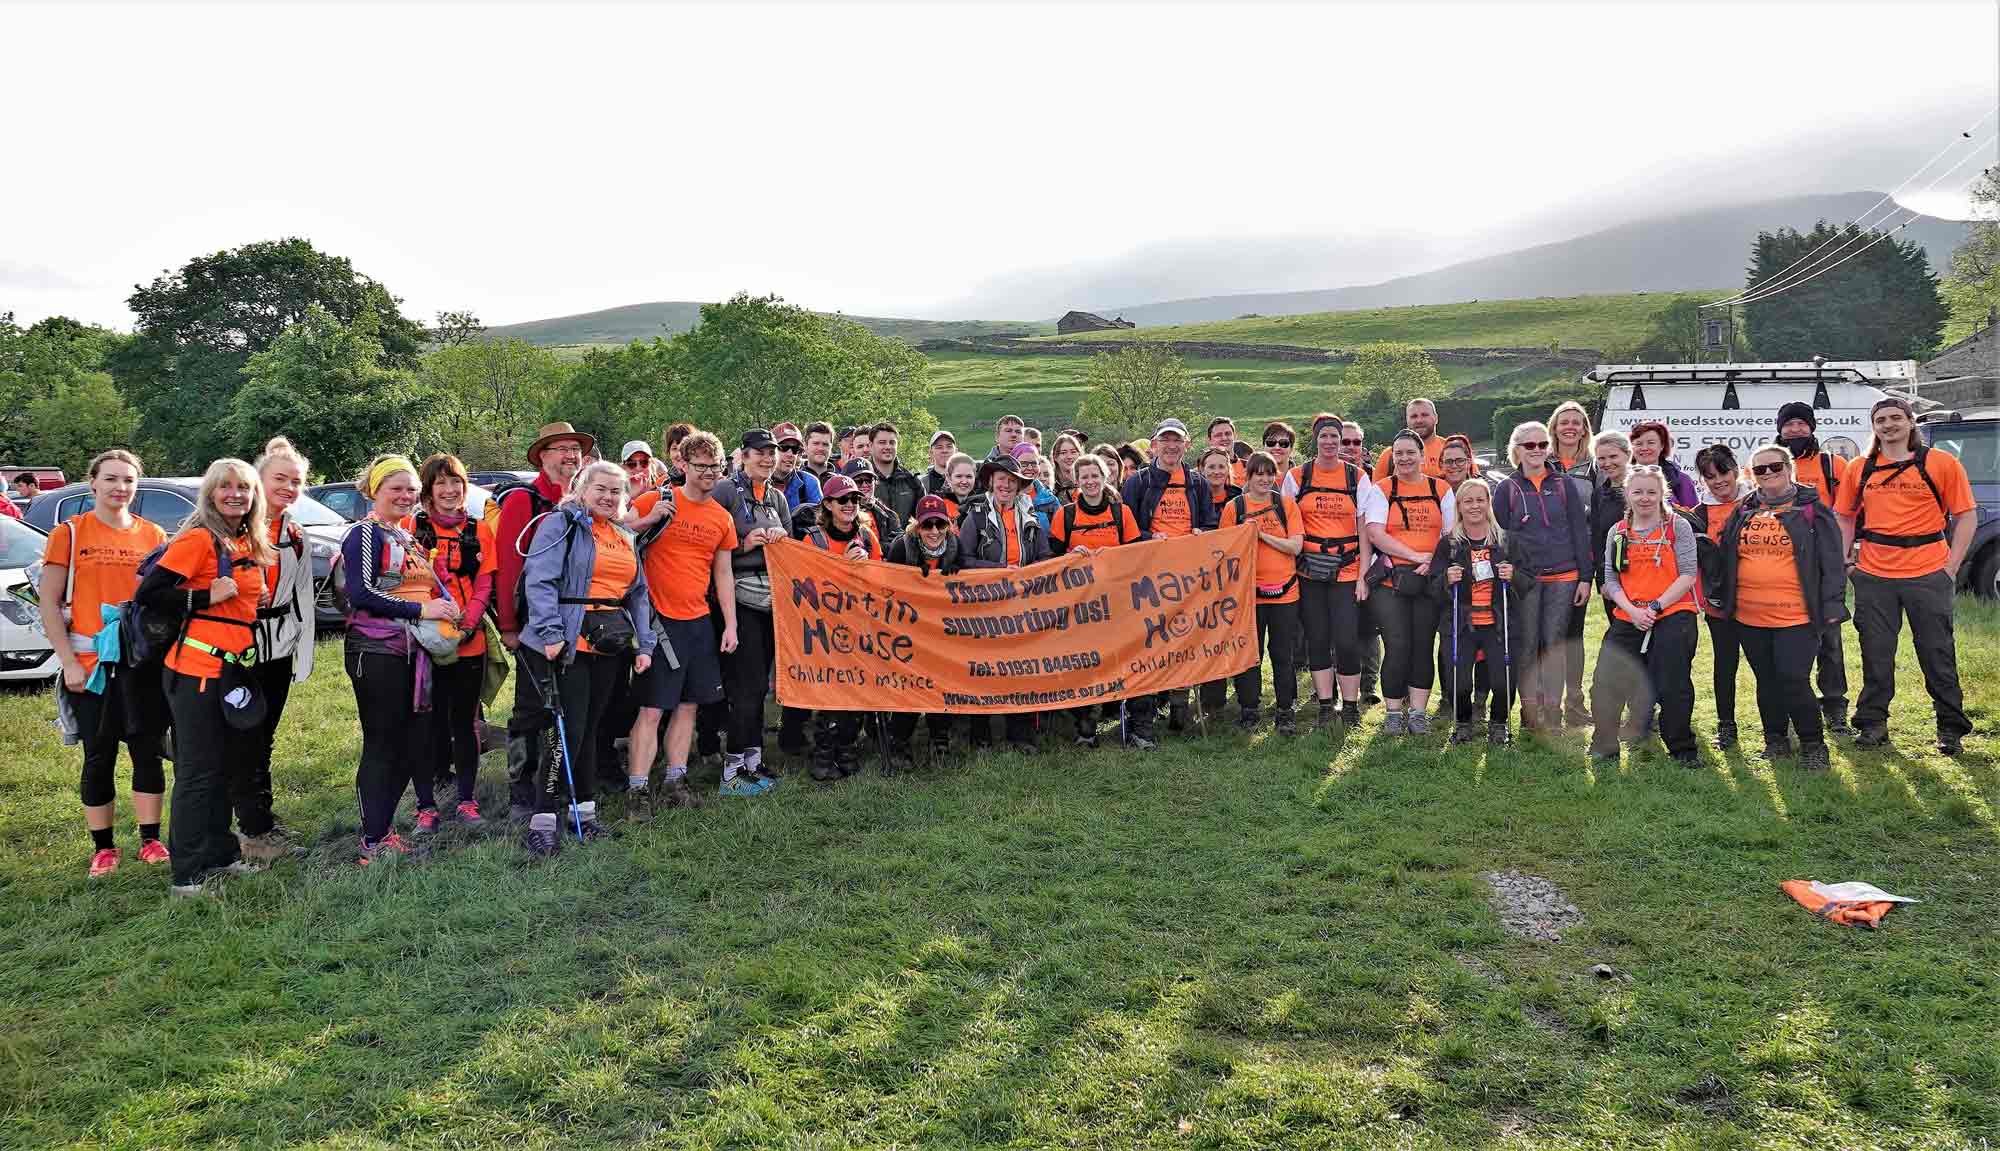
(1432, 465)
(1172, 518)
(1106, 527)
(445, 560)
(1010, 531)
(1810, 472)
(230, 626)
(1718, 518)
(105, 568)
(1899, 504)
(1330, 514)
(1768, 592)
(680, 562)
(1650, 566)
(612, 574)
(1416, 517)
(1274, 568)
(1482, 590)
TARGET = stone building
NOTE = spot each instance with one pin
(1089, 322)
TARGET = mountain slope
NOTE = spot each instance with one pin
(671, 317)
(1688, 252)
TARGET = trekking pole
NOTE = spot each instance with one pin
(552, 697)
(1454, 651)
(1506, 653)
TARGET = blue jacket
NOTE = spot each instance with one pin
(1143, 489)
(558, 566)
(1045, 503)
(801, 489)
(1552, 522)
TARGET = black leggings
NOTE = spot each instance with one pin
(1277, 624)
(586, 687)
(394, 737)
(1471, 673)
(1782, 660)
(903, 725)
(205, 746)
(1629, 679)
(1333, 626)
(1725, 638)
(455, 723)
(250, 785)
(102, 723)
(1407, 623)
(747, 671)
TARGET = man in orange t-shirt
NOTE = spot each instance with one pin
(1169, 500)
(691, 540)
(1420, 416)
(1910, 508)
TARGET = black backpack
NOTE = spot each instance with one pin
(147, 634)
(1306, 487)
(1918, 453)
(1111, 505)
(1277, 508)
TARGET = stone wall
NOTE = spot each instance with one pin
(1977, 355)
(1580, 358)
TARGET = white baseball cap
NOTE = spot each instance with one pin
(633, 448)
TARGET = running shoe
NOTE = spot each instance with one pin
(542, 843)
(104, 862)
(154, 851)
(1394, 723)
(468, 813)
(743, 786)
(390, 844)
(1419, 722)
(427, 821)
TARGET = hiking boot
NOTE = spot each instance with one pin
(1874, 735)
(823, 770)
(390, 844)
(1419, 722)
(1576, 717)
(1246, 720)
(154, 851)
(104, 862)
(1687, 758)
(594, 830)
(1326, 712)
(676, 793)
(1086, 739)
(1283, 724)
(1814, 757)
(1395, 723)
(1775, 749)
(1950, 745)
(467, 812)
(427, 821)
(1496, 735)
(1836, 722)
(1350, 713)
(239, 867)
(1464, 733)
(1369, 698)
(264, 848)
(1138, 742)
(542, 843)
(189, 890)
(1725, 736)
(1023, 746)
(1177, 717)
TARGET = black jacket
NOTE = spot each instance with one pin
(908, 550)
(1142, 491)
(1816, 551)
(899, 490)
(1607, 507)
(979, 539)
(1449, 552)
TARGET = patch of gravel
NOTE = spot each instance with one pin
(1530, 906)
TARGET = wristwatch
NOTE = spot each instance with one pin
(1653, 606)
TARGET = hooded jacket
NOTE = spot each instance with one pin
(1450, 551)
(899, 491)
(559, 563)
(979, 540)
(1816, 551)
(289, 626)
(1550, 523)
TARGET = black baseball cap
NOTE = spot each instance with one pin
(757, 439)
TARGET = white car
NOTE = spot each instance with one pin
(25, 655)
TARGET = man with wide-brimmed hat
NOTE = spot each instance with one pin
(556, 454)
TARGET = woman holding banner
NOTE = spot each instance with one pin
(931, 545)
(839, 530)
(1281, 536)
(1093, 521)
(1416, 511)
(1001, 531)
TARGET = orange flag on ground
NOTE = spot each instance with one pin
(1126, 621)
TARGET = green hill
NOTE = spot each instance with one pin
(671, 317)
(1574, 321)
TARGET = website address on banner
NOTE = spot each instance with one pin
(1033, 698)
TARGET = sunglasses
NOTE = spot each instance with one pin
(1277, 443)
(864, 480)
(790, 449)
(1766, 469)
(1534, 445)
(848, 500)
(928, 525)
(1353, 443)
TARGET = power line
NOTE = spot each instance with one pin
(1891, 195)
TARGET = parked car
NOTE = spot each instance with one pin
(168, 503)
(492, 481)
(25, 654)
(346, 500)
(1975, 440)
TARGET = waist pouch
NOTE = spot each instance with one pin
(1321, 567)
(1406, 582)
(610, 633)
(753, 590)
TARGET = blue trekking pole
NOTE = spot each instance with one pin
(1506, 653)
(552, 697)
(1454, 653)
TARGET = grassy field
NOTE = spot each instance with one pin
(1576, 322)
(1229, 943)
(974, 390)
(622, 325)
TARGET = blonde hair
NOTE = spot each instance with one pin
(1583, 413)
(388, 463)
(206, 517)
(588, 474)
(1522, 432)
(1791, 468)
(1651, 472)
(280, 448)
(1494, 534)
(1612, 436)
(116, 456)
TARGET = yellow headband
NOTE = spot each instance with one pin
(384, 468)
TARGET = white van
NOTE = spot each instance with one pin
(1737, 404)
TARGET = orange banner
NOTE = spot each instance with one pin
(858, 635)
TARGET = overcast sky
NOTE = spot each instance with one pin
(527, 161)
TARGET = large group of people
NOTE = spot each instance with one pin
(631, 603)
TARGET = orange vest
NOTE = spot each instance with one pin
(1650, 567)
(1416, 521)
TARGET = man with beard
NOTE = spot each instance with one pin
(895, 486)
(1420, 416)
(819, 451)
(800, 486)
(1826, 474)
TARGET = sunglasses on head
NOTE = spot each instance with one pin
(1766, 469)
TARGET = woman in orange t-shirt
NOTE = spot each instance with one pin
(89, 561)
(1281, 536)
(1782, 582)
(1648, 652)
(467, 563)
(1416, 510)
(839, 530)
(1724, 489)
(212, 575)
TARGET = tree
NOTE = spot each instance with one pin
(486, 398)
(1881, 303)
(1403, 372)
(83, 416)
(1673, 335)
(199, 326)
(36, 363)
(1133, 390)
(619, 394)
(455, 328)
(322, 383)
(1972, 290)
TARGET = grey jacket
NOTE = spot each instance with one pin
(557, 567)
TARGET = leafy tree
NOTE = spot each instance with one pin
(486, 398)
(1880, 304)
(1972, 290)
(322, 383)
(1403, 372)
(1673, 335)
(1133, 390)
(618, 394)
(455, 328)
(36, 363)
(84, 415)
(199, 326)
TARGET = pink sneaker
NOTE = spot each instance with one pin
(468, 814)
(154, 851)
(390, 844)
(104, 862)
(427, 822)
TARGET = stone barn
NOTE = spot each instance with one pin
(1089, 322)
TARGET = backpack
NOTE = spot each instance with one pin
(1111, 505)
(1306, 487)
(1398, 501)
(1832, 482)
(1277, 507)
(147, 634)
(297, 544)
(1917, 455)
(468, 542)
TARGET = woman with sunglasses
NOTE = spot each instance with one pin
(1648, 652)
(1278, 440)
(1724, 491)
(1547, 513)
(1093, 521)
(841, 530)
(931, 545)
(1783, 579)
(1416, 511)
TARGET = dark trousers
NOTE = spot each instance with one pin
(1879, 607)
(205, 748)
(1370, 643)
(1573, 658)
(1781, 659)
(585, 688)
(1019, 727)
(455, 722)
(903, 725)
(792, 724)
(747, 672)
(620, 713)
(1333, 626)
(1832, 660)
(1277, 623)
(1468, 673)
(395, 739)
(526, 743)
(250, 791)
(102, 724)
(1407, 624)
(1628, 678)
(1725, 643)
